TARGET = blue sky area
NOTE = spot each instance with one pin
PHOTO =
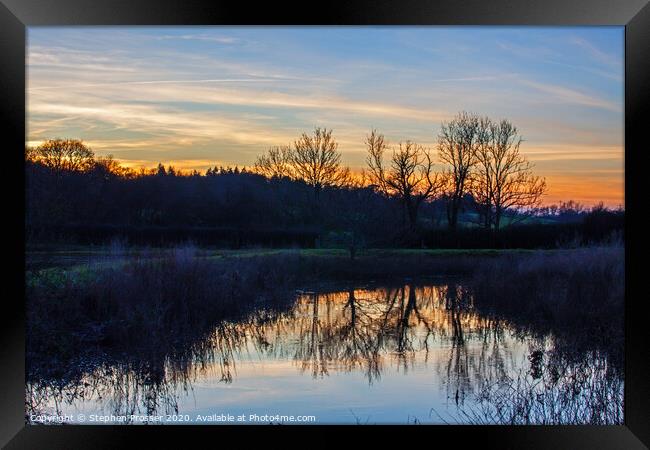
(199, 96)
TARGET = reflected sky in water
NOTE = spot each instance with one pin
(400, 355)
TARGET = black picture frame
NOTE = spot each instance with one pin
(16, 15)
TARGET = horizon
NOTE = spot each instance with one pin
(198, 97)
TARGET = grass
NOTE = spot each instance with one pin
(79, 258)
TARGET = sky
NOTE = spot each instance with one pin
(196, 97)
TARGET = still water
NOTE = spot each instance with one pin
(409, 353)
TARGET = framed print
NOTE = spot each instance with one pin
(385, 214)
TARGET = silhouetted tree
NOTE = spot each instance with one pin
(504, 177)
(316, 160)
(107, 167)
(457, 144)
(61, 155)
(481, 181)
(409, 177)
(276, 163)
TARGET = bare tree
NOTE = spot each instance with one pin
(317, 161)
(30, 154)
(482, 183)
(106, 167)
(64, 155)
(377, 145)
(504, 177)
(457, 143)
(276, 163)
(409, 177)
(515, 185)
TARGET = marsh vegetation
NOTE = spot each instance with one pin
(528, 337)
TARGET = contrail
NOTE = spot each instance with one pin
(214, 80)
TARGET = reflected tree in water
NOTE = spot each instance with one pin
(366, 330)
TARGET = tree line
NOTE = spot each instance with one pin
(476, 176)
(478, 157)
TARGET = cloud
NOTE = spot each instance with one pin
(527, 51)
(145, 97)
(201, 37)
(77, 61)
(208, 92)
(562, 152)
(616, 76)
(461, 79)
(572, 96)
(550, 56)
(596, 53)
(117, 83)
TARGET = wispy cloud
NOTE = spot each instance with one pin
(528, 51)
(572, 96)
(546, 55)
(117, 83)
(192, 91)
(461, 79)
(596, 53)
(160, 121)
(558, 152)
(201, 37)
(160, 95)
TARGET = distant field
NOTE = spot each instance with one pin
(80, 256)
(472, 220)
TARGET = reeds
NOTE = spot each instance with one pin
(576, 298)
(565, 393)
(578, 295)
(145, 302)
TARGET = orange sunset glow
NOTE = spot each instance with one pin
(199, 97)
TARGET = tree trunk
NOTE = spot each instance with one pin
(497, 219)
(452, 214)
(412, 214)
(488, 219)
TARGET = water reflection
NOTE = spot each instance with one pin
(433, 330)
